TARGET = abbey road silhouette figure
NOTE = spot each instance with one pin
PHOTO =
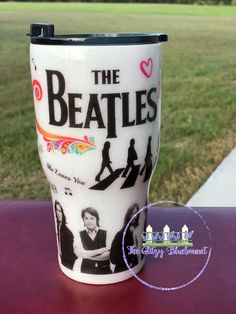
(105, 160)
(148, 157)
(132, 156)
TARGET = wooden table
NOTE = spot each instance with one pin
(31, 281)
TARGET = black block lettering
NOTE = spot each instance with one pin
(52, 96)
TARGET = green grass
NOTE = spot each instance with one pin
(199, 89)
(120, 8)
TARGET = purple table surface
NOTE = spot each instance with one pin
(31, 281)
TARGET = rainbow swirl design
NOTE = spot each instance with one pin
(38, 92)
(65, 144)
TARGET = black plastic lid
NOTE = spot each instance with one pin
(43, 34)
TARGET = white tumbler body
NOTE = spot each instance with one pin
(97, 112)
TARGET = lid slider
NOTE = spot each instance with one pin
(42, 30)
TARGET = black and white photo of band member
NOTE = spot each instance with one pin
(65, 238)
(91, 245)
(132, 237)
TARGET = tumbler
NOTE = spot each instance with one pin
(97, 111)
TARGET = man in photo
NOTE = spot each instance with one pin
(91, 245)
(131, 238)
(65, 238)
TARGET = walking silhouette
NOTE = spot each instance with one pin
(132, 156)
(148, 160)
(105, 161)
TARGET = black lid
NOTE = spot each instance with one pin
(43, 34)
